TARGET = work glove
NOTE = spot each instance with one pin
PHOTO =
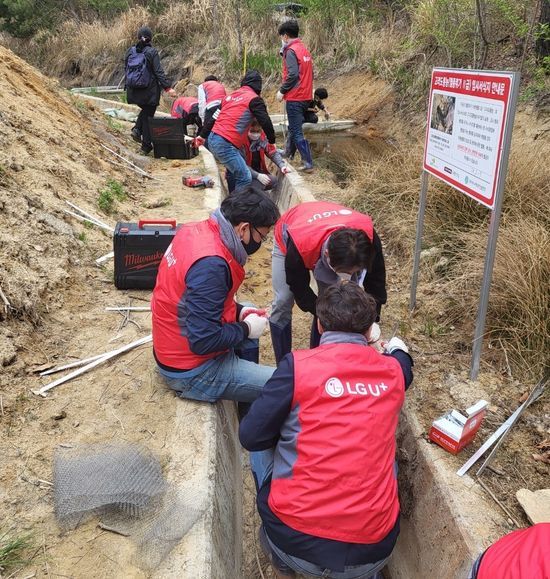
(256, 325)
(247, 310)
(374, 334)
(285, 169)
(197, 142)
(395, 344)
(280, 96)
(264, 179)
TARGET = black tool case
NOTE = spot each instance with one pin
(168, 139)
(138, 249)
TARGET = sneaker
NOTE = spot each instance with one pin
(306, 168)
(136, 135)
(146, 149)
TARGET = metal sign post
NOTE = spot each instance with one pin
(493, 232)
(418, 244)
(468, 137)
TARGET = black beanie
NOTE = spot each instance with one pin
(145, 32)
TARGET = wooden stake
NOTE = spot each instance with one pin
(96, 223)
(86, 214)
(92, 365)
(72, 365)
(3, 297)
(105, 257)
(142, 171)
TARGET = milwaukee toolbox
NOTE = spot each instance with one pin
(138, 249)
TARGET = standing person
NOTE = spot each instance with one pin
(297, 87)
(334, 243)
(255, 152)
(187, 109)
(200, 333)
(314, 107)
(522, 554)
(211, 93)
(144, 79)
(233, 121)
(322, 442)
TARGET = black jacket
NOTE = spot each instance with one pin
(298, 278)
(150, 95)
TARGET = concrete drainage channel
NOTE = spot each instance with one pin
(445, 522)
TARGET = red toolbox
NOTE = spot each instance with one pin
(138, 249)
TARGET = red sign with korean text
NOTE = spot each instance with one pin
(466, 122)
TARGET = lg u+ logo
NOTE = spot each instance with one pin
(335, 388)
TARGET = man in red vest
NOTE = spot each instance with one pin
(322, 442)
(331, 241)
(200, 333)
(211, 94)
(523, 554)
(232, 122)
(187, 109)
(297, 87)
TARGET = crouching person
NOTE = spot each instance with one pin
(325, 425)
(255, 151)
(198, 328)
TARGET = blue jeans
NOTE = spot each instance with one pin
(231, 158)
(227, 377)
(296, 113)
(261, 463)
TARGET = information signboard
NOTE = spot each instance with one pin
(467, 117)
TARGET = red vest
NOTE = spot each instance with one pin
(303, 90)
(269, 148)
(340, 484)
(192, 242)
(310, 224)
(183, 105)
(213, 91)
(523, 554)
(235, 117)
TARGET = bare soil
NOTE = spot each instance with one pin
(50, 151)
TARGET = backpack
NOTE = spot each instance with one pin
(138, 73)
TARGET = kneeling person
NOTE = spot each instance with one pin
(198, 328)
(326, 424)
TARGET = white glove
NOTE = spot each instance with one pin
(247, 310)
(285, 169)
(264, 179)
(395, 344)
(280, 96)
(374, 334)
(256, 325)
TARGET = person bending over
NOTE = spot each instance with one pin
(200, 333)
(232, 123)
(330, 241)
(322, 442)
(186, 109)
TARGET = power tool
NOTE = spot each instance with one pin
(200, 181)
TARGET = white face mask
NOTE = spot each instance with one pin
(254, 136)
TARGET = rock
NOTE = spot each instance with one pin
(17, 167)
(54, 223)
(535, 504)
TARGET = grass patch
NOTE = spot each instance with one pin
(113, 192)
(13, 551)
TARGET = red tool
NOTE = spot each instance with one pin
(200, 181)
